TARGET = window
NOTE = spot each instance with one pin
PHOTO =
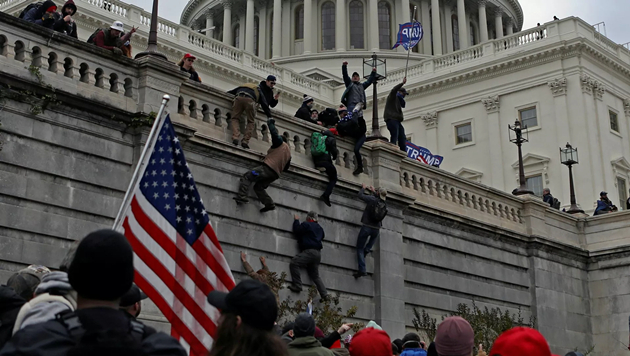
(357, 30)
(528, 117)
(464, 133)
(256, 28)
(473, 40)
(614, 122)
(623, 196)
(299, 22)
(384, 26)
(236, 35)
(455, 25)
(535, 184)
(328, 26)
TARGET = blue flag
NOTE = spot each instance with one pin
(409, 34)
(423, 155)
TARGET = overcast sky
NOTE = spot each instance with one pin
(613, 12)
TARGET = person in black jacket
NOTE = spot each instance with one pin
(10, 304)
(304, 112)
(186, 65)
(266, 87)
(547, 197)
(371, 228)
(43, 15)
(325, 161)
(247, 98)
(309, 235)
(64, 22)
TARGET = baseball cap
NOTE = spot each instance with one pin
(253, 301)
(271, 78)
(404, 91)
(25, 281)
(117, 25)
(370, 342)
(520, 341)
(455, 337)
(188, 55)
(133, 295)
(602, 194)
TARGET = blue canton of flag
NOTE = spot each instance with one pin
(169, 186)
(409, 34)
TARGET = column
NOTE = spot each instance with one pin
(277, 29)
(426, 22)
(249, 27)
(431, 124)
(210, 23)
(373, 25)
(509, 27)
(262, 29)
(241, 31)
(498, 23)
(437, 33)
(495, 149)
(463, 25)
(308, 26)
(287, 41)
(227, 23)
(340, 25)
(559, 91)
(405, 15)
(483, 21)
(448, 19)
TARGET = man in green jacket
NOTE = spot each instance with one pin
(304, 342)
(394, 116)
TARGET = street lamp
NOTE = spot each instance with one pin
(518, 139)
(381, 73)
(569, 157)
(152, 49)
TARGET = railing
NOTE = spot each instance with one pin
(458, 57)
(265, 66)
(521, 38)
(605, 42)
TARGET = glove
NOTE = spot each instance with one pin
(270, 121)
(117, 51)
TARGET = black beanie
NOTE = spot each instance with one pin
(102, 267)
(304, 325)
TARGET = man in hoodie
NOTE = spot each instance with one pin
(324, 152)
(412, 346)
(247, 98)
(64, 22)
(43, 15)
(304, 112)
(394, 116)
(266, 87)
(305, 343)
(375, 203)
(278, 160)
(309, 235)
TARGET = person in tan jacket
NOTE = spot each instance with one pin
(278, 160)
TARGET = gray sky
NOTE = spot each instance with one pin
(612, 12)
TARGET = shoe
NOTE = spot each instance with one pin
(357, 171)
(245, 145)
(359, 275)
(240, 200)
(268, 208)
(235, 142)
(295, 289)
(325, 199)
(366, 252)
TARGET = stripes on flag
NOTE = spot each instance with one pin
(177, 256)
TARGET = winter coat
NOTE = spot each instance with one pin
(52, 296)
(365, 219)
(38, 15)
(52, 338)
(394, 105)
(278, 156)
(62, 26)
(603, 207)
(10, 304)
(329, 340)
(105, 40)
(268, 93)
(414, 352)
(341, 352)
(304, 113)
(308, 346)
(253, 91)
(286, 338)
(194, 76)
(309, 235)
(548, 199)
(331, 147)
(355, 92)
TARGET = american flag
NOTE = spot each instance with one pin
(177, 256)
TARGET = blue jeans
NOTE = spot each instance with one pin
(362, 247)
(397, 132)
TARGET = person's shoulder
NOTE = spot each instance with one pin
(48, 337)
(160, 343)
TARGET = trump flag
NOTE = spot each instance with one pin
(409, 34)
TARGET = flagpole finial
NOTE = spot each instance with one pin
(166, 97)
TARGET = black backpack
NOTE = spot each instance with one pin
(93, 35)
(104, 342)
(556, 203)
(377, 210)
(29, 8)
(328, 117)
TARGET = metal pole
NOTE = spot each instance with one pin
(376, 132)
(152, 49)
(574, 208)
(141, 162)
(409, 50)
(522, 189)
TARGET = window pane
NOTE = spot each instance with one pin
(236, 36)
(614, 124)
(473, 41)
(455, 25)
(621, 187)
(384, 26)
(528, 117)
(535, 184)
(356, 25)
(299, 23)
(464, 133)
(328, 26)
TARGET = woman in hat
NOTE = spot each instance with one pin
(186, 65)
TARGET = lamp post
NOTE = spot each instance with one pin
(381, 73)
(152, 49)
(569, 157)
(518, 139)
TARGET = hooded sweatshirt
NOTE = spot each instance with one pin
(36, 15)
(68, 28)
(308, 345)
(10, 304)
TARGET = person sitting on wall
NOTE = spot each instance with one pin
(604, 205)
(394, 116)
(304, 112)
(110, 38)
(266, 88)
(64, 22)
(43, 15)
(547, 197)
(186, 65)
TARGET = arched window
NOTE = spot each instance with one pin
(384, 26)
(357, 30)
(473, 38)
(455, 22)
(271, 35)
(299, 22)
(236, 35)
(328, 26)
(256, 29)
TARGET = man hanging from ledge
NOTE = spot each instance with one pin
(248, 97)
(278, 160)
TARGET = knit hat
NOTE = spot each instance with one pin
(102, 267)
(26, 280)
(304, 325)
(370, 342)
(319, 334)
(307, 98)
(411, 340)
(520, 341)
(69, 4)
(454, 337)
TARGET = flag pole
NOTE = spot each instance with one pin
(148, 145)
(409, 49)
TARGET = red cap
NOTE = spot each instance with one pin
(370, 342)
(188, 55)
(52, 9)
(521, 341)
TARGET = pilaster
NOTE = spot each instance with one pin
(493, 108)
(431, 124)
(626, 107)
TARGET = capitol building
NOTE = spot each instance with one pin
(474, 73)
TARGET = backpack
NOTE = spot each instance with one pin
(556, 203)
(93, 35)
(377, 210)
(347, 126)
(29, 8)
(328, 117)
(318, 144)
(104, 342)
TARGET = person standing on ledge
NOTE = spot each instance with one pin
(248, 97)
(355, 100)
(394, 116)
(266, 86)
(278, 160)
(186, 65)
(373, 215)
(309, 235)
